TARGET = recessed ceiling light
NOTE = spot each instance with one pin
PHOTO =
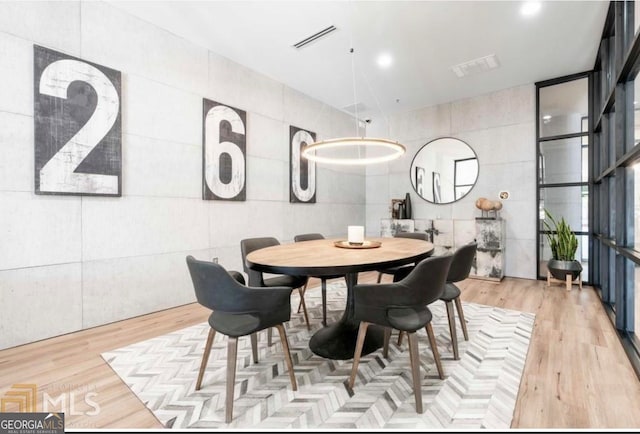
(530, 8)
(384, 60)
(546, 117)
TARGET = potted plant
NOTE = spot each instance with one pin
(563, 243)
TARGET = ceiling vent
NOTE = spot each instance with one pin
(475, 66)
(315, 37)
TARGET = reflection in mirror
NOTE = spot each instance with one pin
(444, 170)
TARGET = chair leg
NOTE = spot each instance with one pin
(232, 354)
(400, 336)
(287, 355)
(205, 357)
(434, 349)
(362, 333)
(301, 293)
(463, 323)
(304, 308)
(269, 337)
(452, 329)
(324, 302)
(254, 346)
(414, 355)
(379, 277)
(387, 338)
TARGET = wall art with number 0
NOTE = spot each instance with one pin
(302, 172)
(78, 132)
(224, 152)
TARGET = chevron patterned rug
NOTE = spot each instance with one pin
(479, 391)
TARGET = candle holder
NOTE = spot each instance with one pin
(355, 235)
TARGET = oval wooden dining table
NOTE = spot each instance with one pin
(322, 258)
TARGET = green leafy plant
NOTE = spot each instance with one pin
(562, 240)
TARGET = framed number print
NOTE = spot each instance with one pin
(302, 172)
(420, 174)
(224, 152)
(436, 187)
(78, 132)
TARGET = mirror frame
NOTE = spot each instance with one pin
(411, 178)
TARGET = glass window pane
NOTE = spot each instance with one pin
(636, 108)
(562, 107)
(563, 161)
(636, 298)
(636, 207)
(567, 203)
(636, 20)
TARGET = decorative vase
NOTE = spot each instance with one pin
(560, 269)
(407, 206)
(401, 212)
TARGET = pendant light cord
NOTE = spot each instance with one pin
(355, 97)
(384, 115)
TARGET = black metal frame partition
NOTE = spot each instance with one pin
(539, 175)
(613, 152)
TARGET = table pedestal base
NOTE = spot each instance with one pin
(338, 341)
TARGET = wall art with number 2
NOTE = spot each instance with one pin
(78, 132)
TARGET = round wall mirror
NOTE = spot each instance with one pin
(444, 170)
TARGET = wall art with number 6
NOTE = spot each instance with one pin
(302, 172)
(78, 132)
(224, 152)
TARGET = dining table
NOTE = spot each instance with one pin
(330, 257)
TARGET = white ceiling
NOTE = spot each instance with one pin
(425, 38)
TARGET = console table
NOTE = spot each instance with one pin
(449, 234)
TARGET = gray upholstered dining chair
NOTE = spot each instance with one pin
(404, 268)
(238, 310)
(323, 279)
(402, 305)
(256, 278)
(459, 271)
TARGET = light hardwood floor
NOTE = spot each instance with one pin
(576, 374)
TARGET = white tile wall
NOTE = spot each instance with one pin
(155, 167)
(16, 75)
(140, 48)
(38, 230)
(39, 302)
(116, 289)
(136, 226)
(53, 25)
(267, 137)
(16, 164)
(155, 110)
(269, 179)
(243, 88)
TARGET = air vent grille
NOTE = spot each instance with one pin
(476, 66)
(314, 37)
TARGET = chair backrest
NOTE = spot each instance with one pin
(462, 262)
(308, 237)
(247, 246)
(427, 279)
(215, 288)
(415, 235)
